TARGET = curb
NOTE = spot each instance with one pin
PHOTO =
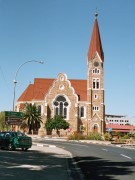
(67, 156)
(82, 141)
(43, 145)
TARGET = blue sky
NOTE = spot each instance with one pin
(58, 32)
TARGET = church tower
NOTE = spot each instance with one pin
(95, 82)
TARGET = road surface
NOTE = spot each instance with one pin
(100, 161)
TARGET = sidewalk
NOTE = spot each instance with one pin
(56, 162)
(65, 168)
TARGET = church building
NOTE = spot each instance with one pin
(80, 102)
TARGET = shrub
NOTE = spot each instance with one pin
(121, 140)
(125, 137)
(91, 136)
(94, 136)
(106, 136)
(76, 136)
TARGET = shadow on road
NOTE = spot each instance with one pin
(95, 168)
(32, 165)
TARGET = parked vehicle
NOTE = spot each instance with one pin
(14, 140)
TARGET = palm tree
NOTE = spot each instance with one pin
(32, 117)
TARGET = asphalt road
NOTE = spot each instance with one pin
(101, 161)
(38, 163)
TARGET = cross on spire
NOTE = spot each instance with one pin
(96, 15)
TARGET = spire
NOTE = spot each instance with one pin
(95, 43)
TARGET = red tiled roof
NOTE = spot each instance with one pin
(80, 87)
(95, 43)
(27, 94)
(40, 88)
(122, 128)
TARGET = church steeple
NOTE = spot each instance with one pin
(95, 82)
(95, 43)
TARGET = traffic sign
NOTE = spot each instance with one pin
(109, 129)
(13, 118)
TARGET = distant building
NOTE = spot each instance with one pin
(124, 129)
(117, 119)
(119, 123)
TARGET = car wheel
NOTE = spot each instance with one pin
(24, 149)
(10, 147)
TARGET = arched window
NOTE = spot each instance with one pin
(95, 108)
(61, 106)
(82, 111)
(96, 71)
(39, 109)
(96, 83)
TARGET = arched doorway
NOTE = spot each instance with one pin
(95, 128)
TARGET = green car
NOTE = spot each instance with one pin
(14, 140)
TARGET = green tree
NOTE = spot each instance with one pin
(3, 126)
(32, 117)
(56, 123)
(60, 123)
(49, 125)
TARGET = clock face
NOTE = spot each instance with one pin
(96, 64)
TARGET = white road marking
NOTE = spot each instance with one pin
(105, 149)
(125, 156)
(30, 167)
(52, 146)
(40, 145)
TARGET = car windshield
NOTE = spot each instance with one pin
(2, 134)
(11, 134)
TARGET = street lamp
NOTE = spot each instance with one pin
(15, 81)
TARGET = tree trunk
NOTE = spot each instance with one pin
(58, 132)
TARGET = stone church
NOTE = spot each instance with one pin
(80, 102)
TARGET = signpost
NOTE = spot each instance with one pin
(13, 118)
(109, 130)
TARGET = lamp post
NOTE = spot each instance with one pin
(15, 80)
